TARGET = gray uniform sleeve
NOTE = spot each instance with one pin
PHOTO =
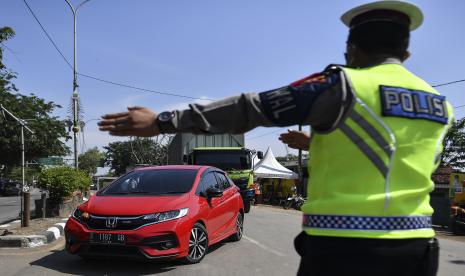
(318, 101)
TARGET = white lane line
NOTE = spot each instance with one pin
(8, 202)
(264, 246)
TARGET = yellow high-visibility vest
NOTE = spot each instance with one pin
(371, 176)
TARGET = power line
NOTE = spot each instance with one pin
(48, 36)
(143, 89)
(102, 80)
(264, 134)
(447, 83)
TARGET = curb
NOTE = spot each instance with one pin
(29, 241)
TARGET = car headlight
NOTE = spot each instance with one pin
(80, 215)
(165, 216)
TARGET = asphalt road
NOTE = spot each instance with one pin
(10, 206)
(266, 249)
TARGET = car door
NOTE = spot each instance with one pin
(230, 208)
(215, 206)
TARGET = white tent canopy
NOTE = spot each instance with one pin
(269, 167)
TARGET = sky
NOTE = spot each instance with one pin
(204, 49)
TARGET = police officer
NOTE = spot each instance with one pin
(377, 133)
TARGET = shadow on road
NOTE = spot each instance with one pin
(61, 261)
(459, 262)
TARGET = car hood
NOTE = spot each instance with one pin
(134, 205)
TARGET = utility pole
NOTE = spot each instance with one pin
(75, 96)
(24, 222)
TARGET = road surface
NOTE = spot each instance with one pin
(266, 249)
(10, 206)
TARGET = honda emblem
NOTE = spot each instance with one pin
(111, 222)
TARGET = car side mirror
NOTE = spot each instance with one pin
(260, 155)
(214, 192)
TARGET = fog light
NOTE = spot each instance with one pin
(169, 244)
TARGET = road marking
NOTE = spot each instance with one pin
(264, 246)
(8, 202)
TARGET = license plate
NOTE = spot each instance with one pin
(107, 238)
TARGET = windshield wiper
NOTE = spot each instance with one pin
(171, 192)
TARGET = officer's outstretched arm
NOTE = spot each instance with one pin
(315, 100)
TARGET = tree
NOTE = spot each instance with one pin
(454, 146)
(288, 157)
(49, 131)
(139, 151)
(90, 160)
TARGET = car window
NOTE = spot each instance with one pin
(223, 181)
(209, 180)
(153, 182)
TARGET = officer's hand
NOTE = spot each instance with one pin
(296, 139)
(138, 121)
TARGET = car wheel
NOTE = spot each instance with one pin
(247, 206)
(198, 244)
(239, 228)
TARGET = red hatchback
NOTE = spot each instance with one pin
(158, 212)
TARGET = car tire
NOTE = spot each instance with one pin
(247, 206)
(198, 244)
(239, 228)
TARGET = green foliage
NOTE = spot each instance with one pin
(90, 160)
(454, 146)
(61, 182)
(288, 157)
(127, 154)
(31, 173)
(49, 131)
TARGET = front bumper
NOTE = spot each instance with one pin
(168, 240)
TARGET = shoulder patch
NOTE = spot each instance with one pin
(413, 104)
(315, 78)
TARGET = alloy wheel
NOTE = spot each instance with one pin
(239, 225)
(198, 243)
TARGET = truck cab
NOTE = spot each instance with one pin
(236, 161)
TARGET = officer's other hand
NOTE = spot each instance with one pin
(296, 139)
(137, 121)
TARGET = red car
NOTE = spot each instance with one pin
(158, 212)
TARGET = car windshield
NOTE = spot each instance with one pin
(225, 160)
(153, 182)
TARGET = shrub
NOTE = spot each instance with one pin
(61, 182)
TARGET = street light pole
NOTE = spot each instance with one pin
(75, 86)
(23, 183)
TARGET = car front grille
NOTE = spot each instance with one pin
(115, 223)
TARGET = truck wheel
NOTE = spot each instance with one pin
(454, 227)
(247, 206)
